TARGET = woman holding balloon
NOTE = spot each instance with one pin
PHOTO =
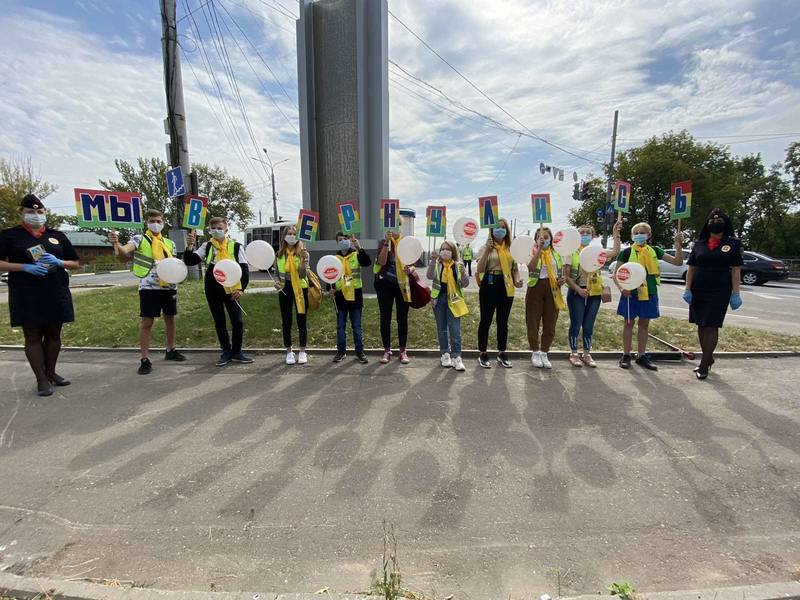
(393, 288)
(449, 278)
(292, 286)
(543, 300)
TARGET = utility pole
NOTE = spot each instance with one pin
(271, 166)
(609, 188)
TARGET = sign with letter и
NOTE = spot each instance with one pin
(195, 212)
(540, 204)
(436, 221)
(307, 225)
(349, 217)
(489, 211)
(680, 200)
(390, 214)
(102, 209)
(175, 185)
(622, 196)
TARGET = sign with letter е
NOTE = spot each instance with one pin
(195, 212)
(175, 185)
(390, 214)
(680, 200)
(489, 211)
(307, 225)
(542, 213)
(102, 209)
(436, 221)
(622, 196)
(349, 217)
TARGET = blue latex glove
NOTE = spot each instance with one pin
(35, 269)
(687, 296)
(49, 259)
(736, 301)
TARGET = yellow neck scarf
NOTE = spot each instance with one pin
(594, 281)
(348, 291)
(455, 300)
(294, 275)
(402, 276)
(222, 254)
(645, 257)
(160, 250)
(507, 265)
(549, 261)
(447, 276)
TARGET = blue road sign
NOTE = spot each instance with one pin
(175, 185)
(610, 209)
(600, 213)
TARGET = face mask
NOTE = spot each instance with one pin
(217, 234)
(291, 239)
(34, 220)
(716, 227)
(155, 227)
(586, 240)
(640, 238)
(344, 245)
(546, 243)
(499, 233)
(446, 255)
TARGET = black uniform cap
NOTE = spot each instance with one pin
(31, 201)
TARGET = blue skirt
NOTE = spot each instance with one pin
(630, 307)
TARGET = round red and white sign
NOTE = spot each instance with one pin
(220, 276)
(623, 274)
(331, 273)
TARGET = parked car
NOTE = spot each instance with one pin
(759, 268)
(668, 270)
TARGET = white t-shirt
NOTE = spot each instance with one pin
(543, 272)
(202, 251)
(151, 282)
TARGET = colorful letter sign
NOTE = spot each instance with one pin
(195, 212)
(540, 203)
(622, 196)
(390, 214)
(436, 221)
(307, 225)
(680, 200)
(489, 210)
(99, 209)
(349, 217)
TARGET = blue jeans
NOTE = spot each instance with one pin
(341, 329)
(582, 315)
(447, 323)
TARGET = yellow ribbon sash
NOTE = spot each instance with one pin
(400, 271)
(160, 250)
(222, 254)
(645, 257)
(506, 264)
(294, 275)
(550, 264)
(455, 301)
(348, 289)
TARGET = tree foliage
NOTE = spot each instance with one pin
(17, 179)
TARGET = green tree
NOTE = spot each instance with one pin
(792, 166)
(593, 198)
(17, 179)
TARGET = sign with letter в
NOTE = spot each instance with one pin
(195, 212)
(307, 225)
(542, 213)
(349, 217)
(436, 221)
(622, 196)
(680, 200)
(175, 185)
(390, 214)
(102, 209)
(489, 211)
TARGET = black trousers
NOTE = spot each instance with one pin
(493, 297)
(218, 303)
(287, 304)
(468, 266)
(389, 295)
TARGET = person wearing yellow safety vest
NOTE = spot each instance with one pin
(349, 297)
(449, 278)
(393, 289)
(466, 255)
(292, 285)
(155, 296)
(543, 300)
(221, 298)
(584, 296)
(498, 274)
(642, 303)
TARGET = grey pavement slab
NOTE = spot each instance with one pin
(268, 477)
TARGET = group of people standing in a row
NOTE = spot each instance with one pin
(37, 258)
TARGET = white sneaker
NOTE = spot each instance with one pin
(446, 362)
(290, 359)
(536, 359)
(458, 364)
(302, 358)
(545, 361)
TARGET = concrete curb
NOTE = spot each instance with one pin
(789, 590)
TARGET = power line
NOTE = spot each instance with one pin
(505, 162)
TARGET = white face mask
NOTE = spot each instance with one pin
(217, 234)
(291, 239)
(155, 227)
(446, 255)
(34, 220)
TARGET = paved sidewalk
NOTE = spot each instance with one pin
(267, 477)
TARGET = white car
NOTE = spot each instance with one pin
(668, 270)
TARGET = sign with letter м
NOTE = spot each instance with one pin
(489, 211)
(307, 225)
(390, 214)
(540, 203)
(436, 221)
(195, 212)
(680, 200)
(622, 196)
(103, 209)
(175, 185)
(349, 217)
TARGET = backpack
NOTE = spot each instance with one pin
(314, 291)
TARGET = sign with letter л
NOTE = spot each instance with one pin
(103, 209)
(489, 211)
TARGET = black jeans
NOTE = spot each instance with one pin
(218, 303)
(492, 296)
(390, 294)
(468, 266)
(287, 304)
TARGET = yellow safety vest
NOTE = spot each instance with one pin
(284, 272)
(143, 256)
(533, 276)
(355, 271)
(436, 284)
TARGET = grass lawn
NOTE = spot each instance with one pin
(109, 317)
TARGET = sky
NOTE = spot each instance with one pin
(82, 84)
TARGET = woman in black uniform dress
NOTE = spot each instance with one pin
(36, 258)
(712, 282)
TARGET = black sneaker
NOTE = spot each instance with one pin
(503, 360)
(224, 359)
(241, 357)
(625, 361)
(644, 361)
(483, 361)
(174, 355)
(339, 356)
(362, 358)
(145, 367)
(44, 389)
(58, 380)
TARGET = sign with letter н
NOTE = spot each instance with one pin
(622, 196)
(542, 213)
(102, 209)
(349, 217)
(680, 200)
(307, 225)
(175, 186)
(390, 214)
(489, 211)
(436, 221)
(195, 212)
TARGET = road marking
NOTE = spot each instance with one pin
(687, 308)
(767, 296)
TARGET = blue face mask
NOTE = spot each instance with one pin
(546, 243)
(344, 245)
(499, 233)
(640, 238)
(586, 240)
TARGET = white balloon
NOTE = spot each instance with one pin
(566, 241)
(329, 268)
(522, 249)
(593, 258)
(171, 270)
(409, 250)
(227, 272)
(465, 230)
(631, 275)
(260, 254)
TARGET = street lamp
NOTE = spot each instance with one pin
(271, 166)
